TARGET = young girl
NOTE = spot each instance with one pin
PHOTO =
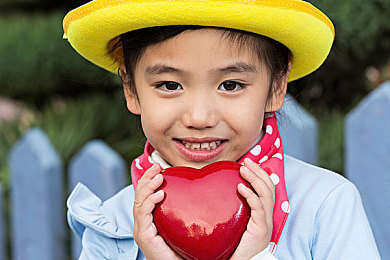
(206, 78)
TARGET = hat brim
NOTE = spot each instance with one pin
(305, 30)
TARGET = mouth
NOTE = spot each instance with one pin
(200, 149)
(205, 146)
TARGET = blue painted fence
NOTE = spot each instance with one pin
(39, 190)
(298, 130)
(37, 198)
(367, 132)
(102, 170)
(2, 226)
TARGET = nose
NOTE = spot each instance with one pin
(200, 112)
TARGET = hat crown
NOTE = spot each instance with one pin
(297, 24)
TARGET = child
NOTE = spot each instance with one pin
(206, 78)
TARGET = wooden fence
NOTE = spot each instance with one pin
(38, 190)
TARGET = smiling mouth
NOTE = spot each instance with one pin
(204, 146)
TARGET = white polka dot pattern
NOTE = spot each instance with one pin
(275, 178)
(277, 142)
(278, 155)
(269, 129)
(265, 158)
(137, 164)
(286, 207)
(256, 150)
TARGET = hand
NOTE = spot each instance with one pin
(145, 234)
(259, 229)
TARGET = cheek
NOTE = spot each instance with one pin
(247, 116)
(156, 120)
(250, 124)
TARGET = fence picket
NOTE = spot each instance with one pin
(298, 130)
(3, 230)
(99, 168)
(36, 175)
(367, 132)
(37, 199)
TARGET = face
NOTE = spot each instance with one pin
(201, 98)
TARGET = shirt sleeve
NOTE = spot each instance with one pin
(96, 246)
(264, 255)
(342, 230)
(102, 234)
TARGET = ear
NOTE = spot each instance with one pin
(277, 98)
(132, 102)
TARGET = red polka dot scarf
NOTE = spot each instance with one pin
(268, 153)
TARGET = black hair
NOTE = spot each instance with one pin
(129, 47)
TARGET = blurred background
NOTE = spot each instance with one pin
(45, 83)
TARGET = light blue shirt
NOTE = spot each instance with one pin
(326, 220)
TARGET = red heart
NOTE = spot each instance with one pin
(202, 215)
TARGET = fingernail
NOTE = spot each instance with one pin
(248, 160)
(157, 177)
(160, 192)
(245, 169)
(242, 186)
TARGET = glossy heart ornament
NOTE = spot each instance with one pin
(202, 215)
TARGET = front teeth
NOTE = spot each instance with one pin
(202, 146)
(205, 146)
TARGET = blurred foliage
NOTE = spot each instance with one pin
(36, 63)
(362, 40)
(41, 69)
(69, 124)
(331, 140)
(38, 5)
(33, 52)
(10, 132)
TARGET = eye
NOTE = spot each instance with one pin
(169, 85)
(231, 86)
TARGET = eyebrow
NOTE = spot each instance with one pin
(239, 67)
(161, 69)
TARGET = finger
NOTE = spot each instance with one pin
(147, 187)
(265, 194)
(145, 218)
(253, 200)
(149, 174)
(260, 172)
(258, 213)
(147, 177)
(257, 183)
(146, 190)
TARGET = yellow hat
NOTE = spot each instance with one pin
(304, 29)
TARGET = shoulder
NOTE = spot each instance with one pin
(309, 174)
(327, 218)
(308, 182)
(310, 188)
(102, 226)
